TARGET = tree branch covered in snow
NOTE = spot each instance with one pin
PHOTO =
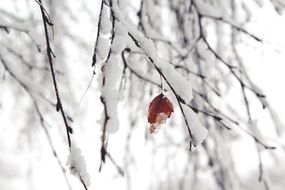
(75, 167)
(179, 66)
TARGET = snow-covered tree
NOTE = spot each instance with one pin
(158, 92)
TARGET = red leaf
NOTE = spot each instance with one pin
(160, 104)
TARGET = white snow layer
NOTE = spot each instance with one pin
(120, 39)
(112, 72)
(77, 166)
(111, 97)
(103, 47)
(199, 132)
(119, 44)
(105, 24)
(119, 29)
(208, 9)
(181, 85)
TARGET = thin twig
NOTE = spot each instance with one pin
(46, 21)
(49, 54)
(98, 34)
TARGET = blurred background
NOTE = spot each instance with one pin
(195, 37)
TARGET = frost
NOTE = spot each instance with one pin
(77, 166)
(199, 132)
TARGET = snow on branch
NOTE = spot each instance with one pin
(77, 165)
(59, 107)
(199, 132)
(204, 10)
(180, 86)
(111, 71)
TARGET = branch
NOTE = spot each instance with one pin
(50, 55)
(136, 73)
(178, 98)
(59, 107)
(230, 67)
(107, 117)
(232, 25)
(257, 140)
(98, 34)
(104, 151)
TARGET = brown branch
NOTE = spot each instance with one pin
(104, 151)
(49, 54)
(59, 107)
(98, 34)
(103, 137)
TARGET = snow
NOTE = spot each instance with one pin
(110, 97)
(111, 72)
(105, 24)
(142, 156)
(207, 9)
(199, 132)
(120, 39)
(77, 166)
(119, 29)
(119, 44)
(181, 85)
(103, 47)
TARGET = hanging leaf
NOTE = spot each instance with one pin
(160, 108)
